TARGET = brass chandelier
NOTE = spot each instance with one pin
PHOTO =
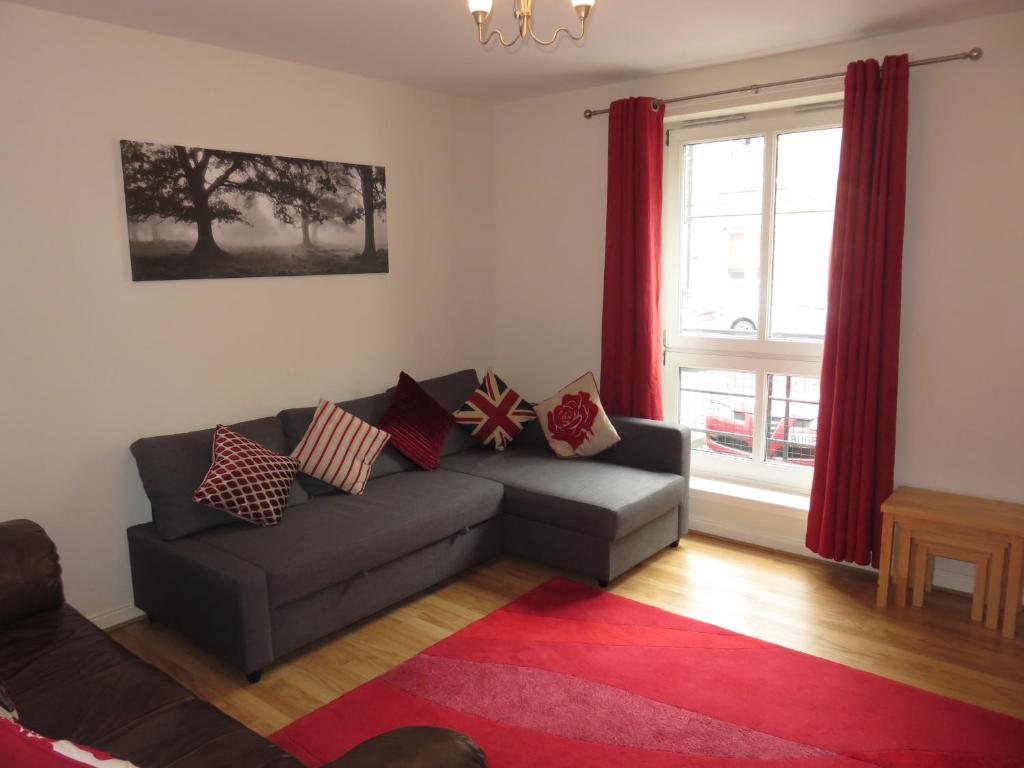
(523, 11)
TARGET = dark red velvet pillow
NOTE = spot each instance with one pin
(417, 423)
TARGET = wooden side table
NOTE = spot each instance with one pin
(992, 531)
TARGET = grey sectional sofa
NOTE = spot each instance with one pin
(251, 595)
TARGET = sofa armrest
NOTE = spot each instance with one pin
(30, 579)
(210, 596)
(651, 445)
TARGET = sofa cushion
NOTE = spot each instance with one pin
(494, 413)
(600, 499)
(173, 466)
(247, 480)
(370, 409)
(330, 539)
(417, 423)
(24, 748)
(339, 448)
(451, 391)
(574, 420)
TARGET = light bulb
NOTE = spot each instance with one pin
(582, 8)
(480, 6)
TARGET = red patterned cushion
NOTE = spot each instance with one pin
(417, 423)
(495, 413)
(574, 420)
(22, 748)
(246, 480)
(339, 448)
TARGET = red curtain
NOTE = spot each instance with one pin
(853, 466)
(631, 324)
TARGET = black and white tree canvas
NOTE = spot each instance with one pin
(209, 213)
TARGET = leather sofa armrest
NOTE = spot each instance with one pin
(651, 445)
(30, 575)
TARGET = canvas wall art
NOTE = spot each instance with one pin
(209, 213)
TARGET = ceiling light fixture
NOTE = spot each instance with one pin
(523, 11)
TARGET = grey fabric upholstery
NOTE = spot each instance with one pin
(584, 554)
(370, 409)
(299, 623)
(251, 595)
(332, 538)
(603, 500)
(451, 392)
(205, 593)
(650, 445)
(173, 466)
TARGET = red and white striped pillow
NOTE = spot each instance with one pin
(340, 448)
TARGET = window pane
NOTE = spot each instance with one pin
(718, 406)
(805, 198)
(792, 427)
(723, 183)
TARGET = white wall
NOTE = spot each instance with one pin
(961, 411)
(92, 361)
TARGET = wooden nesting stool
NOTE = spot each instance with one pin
(986, 532)
(987, 558)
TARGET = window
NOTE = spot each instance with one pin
(749, 204)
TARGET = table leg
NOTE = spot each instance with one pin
(1013, 587)
(930, 578)
(885, 561)
(995, 588)
(981, 573)
(902, 566)
(921, 558)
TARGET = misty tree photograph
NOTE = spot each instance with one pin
(210, 213)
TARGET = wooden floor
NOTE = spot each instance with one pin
(811, 606)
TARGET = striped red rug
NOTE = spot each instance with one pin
(571, 676)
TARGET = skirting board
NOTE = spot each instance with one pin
(772, 527)
(116, 617)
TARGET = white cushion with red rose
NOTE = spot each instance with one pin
(246, 480)
(339, 448)
(575, 422)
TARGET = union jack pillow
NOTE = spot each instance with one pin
(246, 480)
(495, 413)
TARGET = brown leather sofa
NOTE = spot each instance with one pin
(70, 680)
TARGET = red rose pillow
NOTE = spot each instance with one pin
(574, 421)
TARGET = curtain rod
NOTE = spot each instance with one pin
(973, 55)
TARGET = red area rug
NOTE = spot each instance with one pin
(570, 676)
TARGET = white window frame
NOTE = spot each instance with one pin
(762, 355)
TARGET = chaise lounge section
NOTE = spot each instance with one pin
(252, 595)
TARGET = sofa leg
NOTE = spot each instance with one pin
(255, 677)
(602, 583)
(674, 544)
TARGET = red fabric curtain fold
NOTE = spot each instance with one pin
(855, 455)
(631, 323)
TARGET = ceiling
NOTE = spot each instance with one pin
(432, 43)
